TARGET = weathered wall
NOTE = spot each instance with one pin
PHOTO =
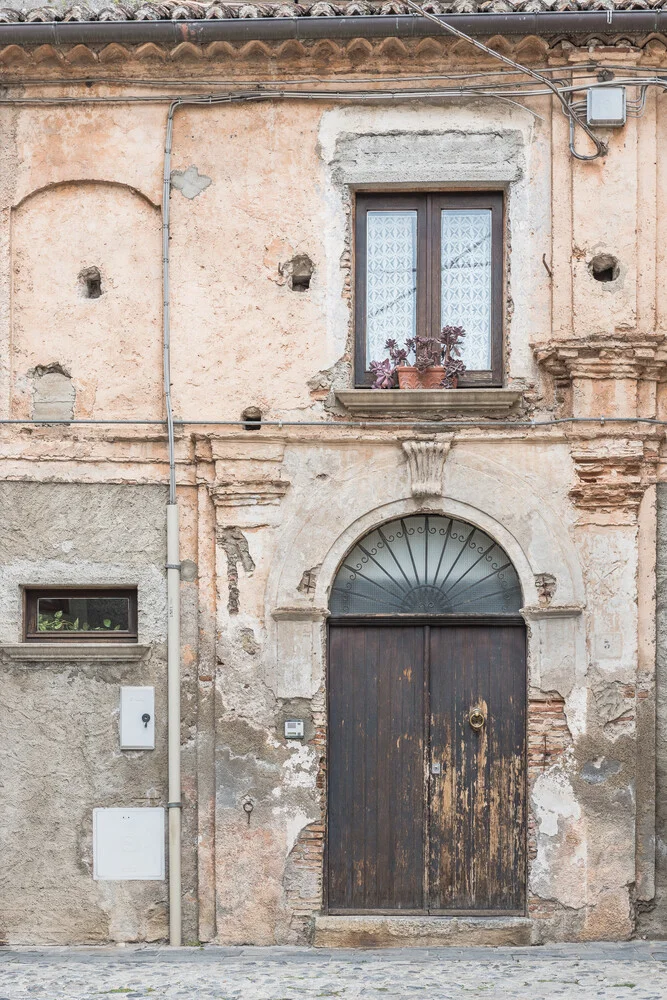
(59, 718)
(653, 920)
(266, 517)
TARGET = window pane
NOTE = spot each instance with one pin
(391, 280)
(83, 614)
(466, 281)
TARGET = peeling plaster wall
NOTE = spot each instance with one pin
(59, 739)
(267, 516)
(654, 919)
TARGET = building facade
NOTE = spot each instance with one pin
(421, 630)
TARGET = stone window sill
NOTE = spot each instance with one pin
(68, 652)
(428, 402)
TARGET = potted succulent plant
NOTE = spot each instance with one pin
(437, 364)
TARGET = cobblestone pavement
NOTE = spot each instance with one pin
(627, 971)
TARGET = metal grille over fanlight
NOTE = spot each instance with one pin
(426, 564)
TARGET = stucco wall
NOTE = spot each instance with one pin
(59, 739)
(653, 920)
(267, 516)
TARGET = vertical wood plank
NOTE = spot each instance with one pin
(376, 752)
(477, 823)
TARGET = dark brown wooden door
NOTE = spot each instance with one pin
(401, 837)
(477, 825)
(376, 836)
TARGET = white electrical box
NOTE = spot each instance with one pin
(137, 718)
(294, 729)
(128, 844)
(606, 106)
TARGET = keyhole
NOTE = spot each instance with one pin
(145, 718)
(248, 808)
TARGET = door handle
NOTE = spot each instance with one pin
(477, 719)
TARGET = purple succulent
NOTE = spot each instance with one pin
(453, 369)
(430, 352)
(384, 374)
(397, 354)
(450, 338)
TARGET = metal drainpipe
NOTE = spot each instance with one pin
(174, 805)
(201, 32)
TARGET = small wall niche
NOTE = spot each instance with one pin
(90, 282)
(53, 394)
(299, 271)
(252, 418)
(604, 267)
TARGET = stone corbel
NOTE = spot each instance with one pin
(300, 613)
(547, 612)
(250, 493)
(426, 464)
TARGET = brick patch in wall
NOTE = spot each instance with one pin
(304, 870)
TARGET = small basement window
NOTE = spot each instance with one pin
(81, 614)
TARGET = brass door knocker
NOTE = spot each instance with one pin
(476, 719)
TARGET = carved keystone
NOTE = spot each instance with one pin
(426, 462)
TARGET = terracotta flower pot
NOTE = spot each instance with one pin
(411, 378)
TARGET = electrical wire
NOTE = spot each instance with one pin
(600, 146)
(489, 424)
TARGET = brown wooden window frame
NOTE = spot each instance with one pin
(31, 595)
(428, 206)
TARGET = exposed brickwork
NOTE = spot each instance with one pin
(548, 732)
(548, 738)
(305, 865)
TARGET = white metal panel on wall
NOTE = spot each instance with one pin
(128, 844)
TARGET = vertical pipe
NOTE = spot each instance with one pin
(173, 580)
(174, 722)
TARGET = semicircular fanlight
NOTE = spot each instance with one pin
(426, 564)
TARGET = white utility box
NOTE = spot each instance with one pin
(294, 729)
(128, 844)
(605, 106)
(137, 718)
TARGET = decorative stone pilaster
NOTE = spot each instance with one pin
(249, 493)
(300, 634)
(246, 488)
(426, 463)
(606, 375)
(612, 475)
(248, 476)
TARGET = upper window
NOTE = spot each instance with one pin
(427, 261)
(82, 613)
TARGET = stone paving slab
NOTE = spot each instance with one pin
(628, 971)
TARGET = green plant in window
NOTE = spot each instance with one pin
(58, 622)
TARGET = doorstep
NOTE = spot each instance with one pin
(419, 931)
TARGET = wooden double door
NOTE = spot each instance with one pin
(426, 767)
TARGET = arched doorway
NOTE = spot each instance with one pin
(427, 720)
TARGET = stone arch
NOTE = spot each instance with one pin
(83, 182)
(426, 563)
(496, 500)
